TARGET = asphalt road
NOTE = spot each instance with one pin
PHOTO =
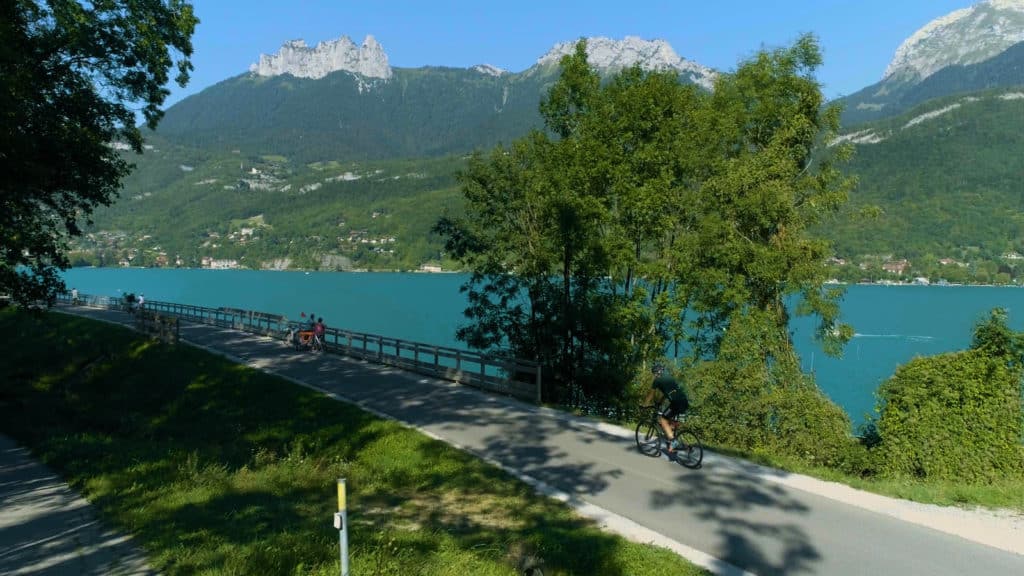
(46, 529)
(727, 515)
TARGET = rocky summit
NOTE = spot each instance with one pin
(962, 37)
(301, 61)
(611, 55)
(369, 60)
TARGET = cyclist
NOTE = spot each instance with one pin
(678, 403)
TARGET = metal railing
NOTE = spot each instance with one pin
(509, 376)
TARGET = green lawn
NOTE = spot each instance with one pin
(219, 469)
(1007, 493)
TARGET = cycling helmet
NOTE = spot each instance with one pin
(657, 369)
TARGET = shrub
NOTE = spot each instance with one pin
(753, 397)
(807, 424)
(952, 416)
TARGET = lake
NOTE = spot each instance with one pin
(893, 324)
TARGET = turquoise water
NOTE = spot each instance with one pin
(892, 323)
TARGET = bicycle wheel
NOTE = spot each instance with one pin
(691, 452)
(648, 438)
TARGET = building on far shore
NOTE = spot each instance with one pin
(896, 266)
(208, 262)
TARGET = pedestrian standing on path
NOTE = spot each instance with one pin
(319, 329)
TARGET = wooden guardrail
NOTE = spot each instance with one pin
(509, 376)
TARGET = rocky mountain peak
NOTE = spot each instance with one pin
(489, 70)
(609, 54)
(965, 36)
(299, 60)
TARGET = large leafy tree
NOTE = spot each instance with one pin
(651, 213)
(73, 76)
(752, 261)
(768, 181)
(569, 212)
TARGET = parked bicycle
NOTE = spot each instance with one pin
(304, 340)
(651, 439)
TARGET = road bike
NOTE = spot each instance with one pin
(651, 439)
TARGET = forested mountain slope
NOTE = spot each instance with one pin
(947, 177)
(418, 112)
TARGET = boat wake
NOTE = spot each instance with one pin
(910, 337)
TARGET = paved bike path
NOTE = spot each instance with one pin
(730, 516)
(46, 529)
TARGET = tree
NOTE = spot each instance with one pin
(573, 212)
(72, 77)
(769, 179)
(652, 213)
(767, 184)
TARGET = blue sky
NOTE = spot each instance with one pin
(859, 38)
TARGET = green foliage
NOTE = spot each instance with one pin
(953, 416)
(317, 216)
(762, 193)
(748, 404)
(994, 337)
(71, 76)
(653, 214)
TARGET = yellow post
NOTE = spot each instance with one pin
(341, 522)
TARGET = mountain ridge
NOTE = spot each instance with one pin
(992, 26)
(928, 62)
(370, 60)
(257, 145)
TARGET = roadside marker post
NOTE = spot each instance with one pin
(341, 522)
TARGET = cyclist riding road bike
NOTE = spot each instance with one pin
(678, 403)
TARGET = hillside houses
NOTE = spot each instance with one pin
(896, 266)
(215, 264)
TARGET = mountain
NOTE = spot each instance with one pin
(947, 177)
(340, 101)
(327, 157)
(299, 161)
(974, 48)
(347, 116)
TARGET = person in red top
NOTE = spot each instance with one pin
(319, 329)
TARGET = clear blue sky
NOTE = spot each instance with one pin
(859, 38)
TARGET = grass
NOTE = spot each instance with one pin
(219, 469)
(1007, 493)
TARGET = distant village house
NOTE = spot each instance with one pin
(896, 266)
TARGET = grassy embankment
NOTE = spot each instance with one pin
(219, 469)
(1005, 494)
